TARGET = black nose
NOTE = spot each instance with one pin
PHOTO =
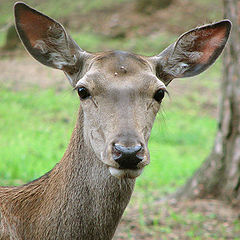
(127, 157)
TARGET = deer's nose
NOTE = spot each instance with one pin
(127, 157)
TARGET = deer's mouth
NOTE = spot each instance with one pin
(125, 173)
(125, 162)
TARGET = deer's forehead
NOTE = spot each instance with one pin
(119, 70)
(120, 64)
(102, 80)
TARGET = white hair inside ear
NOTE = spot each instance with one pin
(193, 52)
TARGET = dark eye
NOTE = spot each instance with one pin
(159, 95)
(83, 93)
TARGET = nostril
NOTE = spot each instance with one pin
(128, 157)
(140, 153)
(116, 152)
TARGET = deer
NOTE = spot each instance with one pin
(86, 193)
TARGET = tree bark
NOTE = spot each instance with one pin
(219, 176)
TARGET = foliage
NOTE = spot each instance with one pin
(148, 6)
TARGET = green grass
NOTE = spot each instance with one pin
(35, 128)
(177, 148)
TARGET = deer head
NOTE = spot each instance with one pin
(120, 92)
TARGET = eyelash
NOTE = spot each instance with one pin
(159, 95)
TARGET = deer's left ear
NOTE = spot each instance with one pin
(48, 42)
(193, 52)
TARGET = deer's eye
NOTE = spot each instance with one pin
(159, 95)
(83, 93)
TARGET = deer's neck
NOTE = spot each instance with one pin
(78, 199)
(95, 200)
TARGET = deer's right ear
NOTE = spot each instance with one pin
(193, 52)
(48, 42)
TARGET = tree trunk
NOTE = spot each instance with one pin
(219, 176)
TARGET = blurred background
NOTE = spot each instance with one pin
(38, 109)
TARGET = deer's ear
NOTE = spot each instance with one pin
(47, 41)
(193, 52)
